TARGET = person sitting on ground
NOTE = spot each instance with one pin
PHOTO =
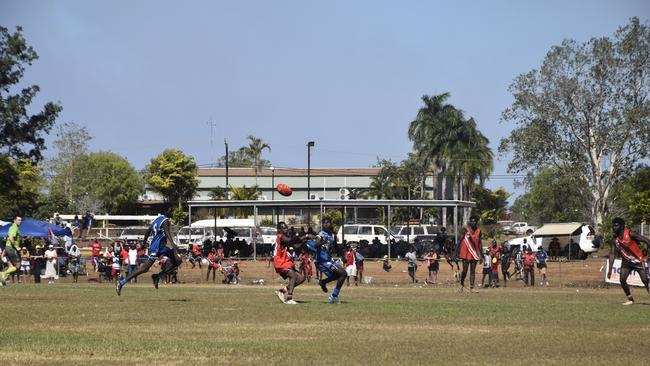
(386, 264)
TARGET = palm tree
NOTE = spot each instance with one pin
(254, 150)
(244, 193)
(432, 141)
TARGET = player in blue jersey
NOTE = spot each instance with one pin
(162, 248)
(330, 269)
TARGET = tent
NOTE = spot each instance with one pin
(36, 229)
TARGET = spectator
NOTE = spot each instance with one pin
(86, 224)
(554, 248)
(305, 265)
(412, 265)
(529, 267)
(351, 266)
(96, 253)
(75, 262)
(124, 258)
(433, 265)
(541, 264)
(386, 264)
(67, 242)
(519, 260)
(50, 261)
(495, 252)
(132, 261)
(213, 265)
(505, 262)
(39, 262)
(359, 259)
(25, 266)
(495, 271)
(487, 268)
(115, 268)
(56, 220)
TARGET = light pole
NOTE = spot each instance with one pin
(272, 183)
(310, 144)
(227, 186)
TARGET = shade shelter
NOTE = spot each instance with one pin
(36, 229)
(321, 205)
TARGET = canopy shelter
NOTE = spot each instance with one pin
(36, 229)
(563, 229)
(323, 204)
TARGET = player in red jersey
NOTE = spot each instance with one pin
(283, 263)
(626, 244)
(470, 252)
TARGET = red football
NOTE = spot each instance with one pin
(284, 189)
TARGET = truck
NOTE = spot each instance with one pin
(521, 228)
(575, 240)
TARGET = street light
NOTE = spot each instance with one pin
(272, 183)
(310, 144)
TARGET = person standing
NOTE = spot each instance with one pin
(359, 259)
(470, 252)
(12, 248)
(412, 264)
(529, 267)
(487, 268)
(96, 253)
(25, 261)
(433, 265)
(626, 244)
(132, 261)
(541, 258)
(351, 265)
(506, 257)
(39, 263)
(50, 262)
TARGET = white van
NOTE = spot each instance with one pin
(354, 233)
(243, 229)
(414, 231)
(581, 235)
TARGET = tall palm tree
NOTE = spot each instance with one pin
(431, 139)
(254, 150)
(244, 193)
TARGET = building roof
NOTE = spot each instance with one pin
(562, 229)
(289, 172)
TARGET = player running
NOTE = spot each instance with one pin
(162, 248)
(283, 263)
(320, 247)
(626, 244)
(470, 252)
(12, 248)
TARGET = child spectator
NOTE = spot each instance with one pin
(305, 265)
(213, 265)
(25, 264)
(487, 268)
(411, 257)
(529, 267)
(386, 264)
(495, 272)
(359, 262)
(433, 265)
(115, 268)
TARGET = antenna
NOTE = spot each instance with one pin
(212, 125)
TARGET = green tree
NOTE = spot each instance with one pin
(113, 181)
(552, 197)
(490, 205)
(585, 111)
(244, 194)
(174, 175)
(21, 134)
(631, 197)
(24, 196)
(248, 156)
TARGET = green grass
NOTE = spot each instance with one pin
(190, 324)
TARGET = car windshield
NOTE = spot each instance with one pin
(395, 229)
(134, 231)
(242, 231)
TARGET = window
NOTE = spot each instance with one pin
(379, 231)
(365, 230)
(418, 230)
(350, 230)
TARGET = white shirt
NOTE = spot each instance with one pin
(50, 254)
(133, 256)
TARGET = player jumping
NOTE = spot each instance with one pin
(626, 244)
(162, 248)
(283, 263)
(331, 270)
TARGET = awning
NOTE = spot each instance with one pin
(564, 229)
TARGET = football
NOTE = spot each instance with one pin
(284, 189)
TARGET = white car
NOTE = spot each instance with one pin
(133, 234)
(581, 235)
(269, 234)
(414, 231)
(354, 233)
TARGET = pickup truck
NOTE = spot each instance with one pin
(521, 228)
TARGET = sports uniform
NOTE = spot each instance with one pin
(470, 246)
(158, 247)
(282, 261)
(326, 265)
(631, 254)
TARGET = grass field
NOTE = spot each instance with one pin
(67, 324)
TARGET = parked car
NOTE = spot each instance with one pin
(521, 228)
(133, 234)
(354, 233)
(410, 232)
(580, 235)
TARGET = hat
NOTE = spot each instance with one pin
(385, 257)
(39, 246)
(50, 246)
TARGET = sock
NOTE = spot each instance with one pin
(335, 292)
(122, 281)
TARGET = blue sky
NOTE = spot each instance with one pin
(143, 76)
